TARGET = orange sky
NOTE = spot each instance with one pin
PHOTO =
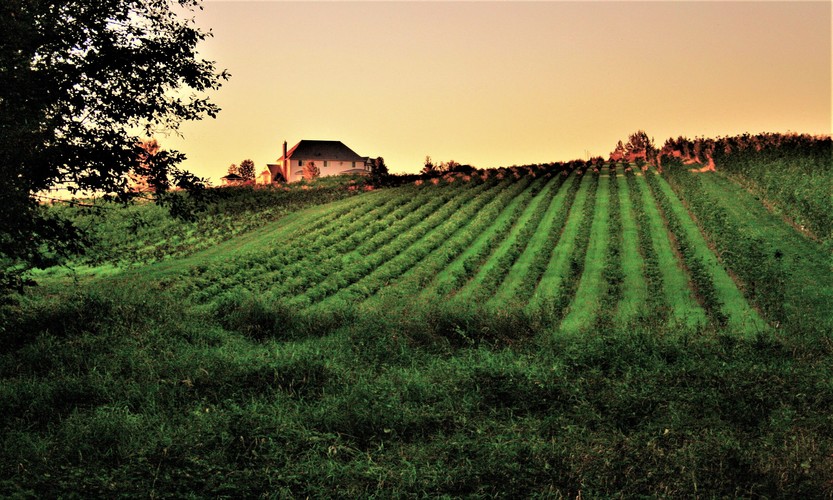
(503, 83)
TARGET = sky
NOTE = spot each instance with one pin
(503, 83)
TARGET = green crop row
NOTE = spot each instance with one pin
(465, 265)
(761, 271)
(387, 274)
(541, 259)
(612, 273)
(373, 254)
(298, 256)
(796, 179)
(652, 272)
(251, 268)
(479, 217)
(146, 232)
(554, 309)
(318, 260)
(700, 276)
(515, 243)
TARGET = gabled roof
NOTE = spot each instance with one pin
(232, 177)
(326, 150)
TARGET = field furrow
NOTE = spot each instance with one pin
(784, 273)
(324, 253)
(372, 255)
(467, 263)
(388, 274)
(365, 241)
(480, 288)
(634, 288)
(683, 307)
(248, 265)
(414, 281)
(521, 279)
(554, 278)
(720, 296)
(584, 308)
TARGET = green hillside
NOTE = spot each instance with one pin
(552, 330)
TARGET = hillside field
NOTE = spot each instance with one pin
(531, 331)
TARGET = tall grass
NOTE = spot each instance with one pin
(131, 394)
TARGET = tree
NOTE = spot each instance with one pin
(639, 145)
(80, 81)
(618, 152)
(311, 171)
(428, 168)
(233, 169)
(246, 170)
(378, 171)
(140, 183)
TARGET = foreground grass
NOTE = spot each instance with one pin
(129, 392)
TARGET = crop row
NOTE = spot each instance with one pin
(507, 251)
(612, 274)
(372, 255)
(584, 307)
(253, 268)
(416, 254)
(532, 264)
(467, 263)
(700, 276)
(651, 269)
(633, 303)
(412, 283)
(761, 271)
(555, 306)
(313, 259)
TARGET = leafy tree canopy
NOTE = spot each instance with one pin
(81, 81)
(246, 170)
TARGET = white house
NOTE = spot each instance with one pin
(331, 158)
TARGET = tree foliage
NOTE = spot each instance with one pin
(379, 171)
(311, 171)
(246, 170)
(80, 82)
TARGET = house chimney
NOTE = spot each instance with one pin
(285, 164)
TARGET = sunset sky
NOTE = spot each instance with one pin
(503, 83)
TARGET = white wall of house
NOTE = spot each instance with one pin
(327, 167)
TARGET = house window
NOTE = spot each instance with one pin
(353, 165)
(325, 163)
(300, 163)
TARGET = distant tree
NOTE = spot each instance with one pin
(618, 152)
(311, 171)
(378, 171)
(246, 170)
(428, 168)
(639, 145)
(233, 169)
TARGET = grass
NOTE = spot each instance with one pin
(740, 317)
(634, 287)
(203, 375)
(556, 271)
(166, 405)
(587, 300)
(481, 285)
(509, 291)
(684, 309)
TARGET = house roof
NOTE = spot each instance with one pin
(232, 177)
(326, 150)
